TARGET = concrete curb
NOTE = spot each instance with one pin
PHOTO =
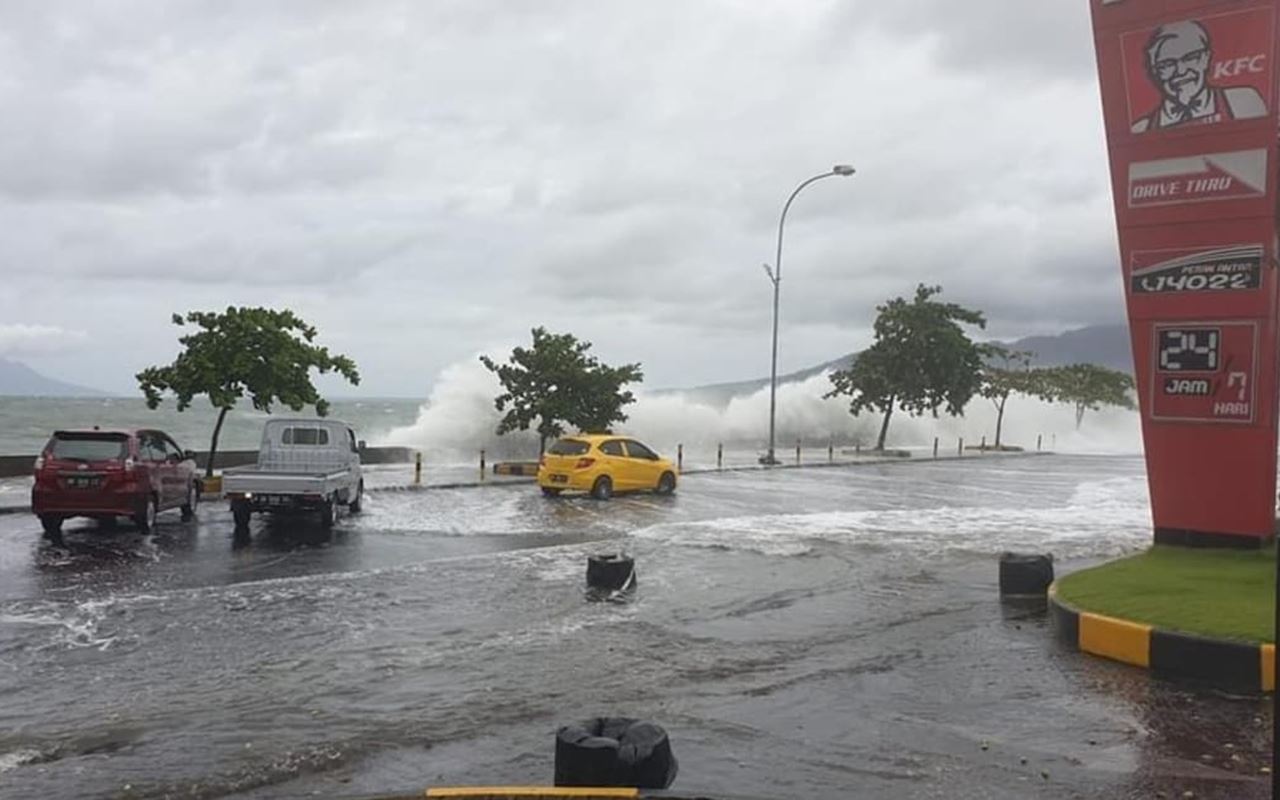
(1224, 663)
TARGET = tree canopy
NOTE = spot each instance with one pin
(922, 360)
(262, 353)
(1089, 387)
(556, 383)
(1007, 372)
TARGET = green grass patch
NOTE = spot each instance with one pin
(1227, 594)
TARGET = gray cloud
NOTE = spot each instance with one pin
(426, 180)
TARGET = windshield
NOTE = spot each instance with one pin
(569, 447)
(88, 446)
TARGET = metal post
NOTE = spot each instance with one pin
(1039, 436)
(831, 452)
(857, 448)
(935, 447)
(983, 447)
(797, 452)
(482, 465)
(680, 457)
(1054, 446)
(720, 456)
(417, 469)
(960, 450)
(775, 276)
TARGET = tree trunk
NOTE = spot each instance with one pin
(884, 426)
(213, 444)
(1000, 419)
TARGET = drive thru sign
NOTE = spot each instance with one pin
(1189, 94)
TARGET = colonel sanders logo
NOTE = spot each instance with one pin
(1193, 86)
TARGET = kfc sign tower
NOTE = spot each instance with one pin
(1189, 96)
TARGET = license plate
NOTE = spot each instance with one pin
(559, 478)
(83, 482)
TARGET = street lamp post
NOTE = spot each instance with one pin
(775, 277)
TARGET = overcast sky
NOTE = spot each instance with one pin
(427, 179)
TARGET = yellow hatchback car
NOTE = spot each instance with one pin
(603, 464)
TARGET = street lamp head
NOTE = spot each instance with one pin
(843, 169)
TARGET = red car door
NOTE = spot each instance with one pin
(159, 470)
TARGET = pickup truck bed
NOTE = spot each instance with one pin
(254, 480)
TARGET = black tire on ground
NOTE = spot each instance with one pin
(1025, 574)
(193, 501)
(614, 752)
(610, 572)
(240, 512)
(52, 527)
(551, 491)
(145, 519)
(355, 505)
(602, 489)
(328, 513)
(667, 483)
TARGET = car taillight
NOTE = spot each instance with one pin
(128, 464)
(583, 463)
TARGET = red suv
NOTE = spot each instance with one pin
(106, 474)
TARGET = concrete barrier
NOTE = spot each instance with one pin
(526, 468)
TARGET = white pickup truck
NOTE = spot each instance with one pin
(303, 465)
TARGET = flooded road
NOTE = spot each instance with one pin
(821, 633)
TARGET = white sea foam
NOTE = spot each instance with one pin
(1102, 518)
(459, 418)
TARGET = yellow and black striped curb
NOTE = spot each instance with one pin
(1233, 665)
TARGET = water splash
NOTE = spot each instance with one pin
(459, 418)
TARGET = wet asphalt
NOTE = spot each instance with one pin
(800, 633)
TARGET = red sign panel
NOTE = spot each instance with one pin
(1198, 178)
(1204, 70)
(1189, 95)
(1203, 371)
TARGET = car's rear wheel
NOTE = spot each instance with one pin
(355, 505)
(328, 513)
(551, 491)
(52, 527)
(667, 483)
(193, 500)
(241, 512)
(145, 519)
(602, 489)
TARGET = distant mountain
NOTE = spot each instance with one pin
(17, 379)
(1107, 345)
